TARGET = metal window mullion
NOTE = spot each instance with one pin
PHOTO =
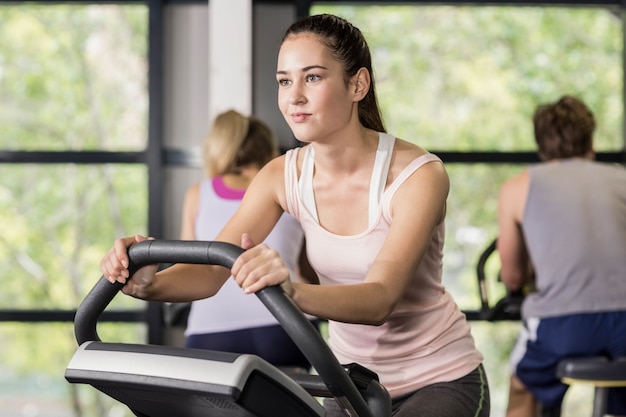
(154, 157)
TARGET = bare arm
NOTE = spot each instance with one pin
(258, 213)
(418, 207)
(516, 271)
(415, 216)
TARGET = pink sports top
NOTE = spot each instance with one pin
(426, 339)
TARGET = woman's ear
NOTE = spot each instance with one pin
(361, 83)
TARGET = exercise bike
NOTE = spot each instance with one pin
(162, 381)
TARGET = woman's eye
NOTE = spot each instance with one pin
(312, 78)
(283, 82)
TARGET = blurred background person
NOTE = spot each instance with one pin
(564, 221)
(234, 150)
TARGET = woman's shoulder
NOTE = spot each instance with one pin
(407, 153)
(293, 156)
(277, 164)
(272, 174)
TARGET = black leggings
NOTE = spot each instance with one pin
(466, 397)
(269, 342)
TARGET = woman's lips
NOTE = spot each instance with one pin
(299, 117)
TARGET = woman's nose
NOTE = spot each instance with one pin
(295, 99)
(296, 96)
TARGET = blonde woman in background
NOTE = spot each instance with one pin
(234, 151)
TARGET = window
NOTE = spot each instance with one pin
(73, 77)
(74, 126)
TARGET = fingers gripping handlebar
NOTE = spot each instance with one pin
(141, 254)
(224, 254)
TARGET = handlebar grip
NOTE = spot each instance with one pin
(301, 331)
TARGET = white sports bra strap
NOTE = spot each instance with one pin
(379, 174)
(378, 180)
(306, 183)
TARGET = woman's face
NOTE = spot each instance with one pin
(312, 94)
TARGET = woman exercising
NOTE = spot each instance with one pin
(372, 208)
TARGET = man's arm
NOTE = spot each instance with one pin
(516, 271)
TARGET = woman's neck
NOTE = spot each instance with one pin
(348, 154)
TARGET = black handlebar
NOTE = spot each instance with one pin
(507, 308)
(303, 333)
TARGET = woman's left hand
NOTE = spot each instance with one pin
(260, 266)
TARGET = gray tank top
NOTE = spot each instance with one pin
(575, 228)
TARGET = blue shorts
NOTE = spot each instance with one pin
(544, 342)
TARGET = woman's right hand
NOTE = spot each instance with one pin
(114, 266)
